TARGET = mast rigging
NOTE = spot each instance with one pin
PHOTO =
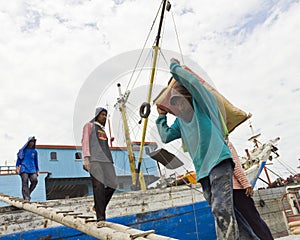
(147, 104)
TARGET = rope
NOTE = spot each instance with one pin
(177, 37)
(148, 36)
(288, 168)
(150, 51)
(161, 53)
(132, 83)
(195, 218)
(273, 172)
(134, 129)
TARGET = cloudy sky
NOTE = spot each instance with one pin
(48, 50)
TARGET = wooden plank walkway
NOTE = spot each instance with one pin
(290, 237)
(83, 223)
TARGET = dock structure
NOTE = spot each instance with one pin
(83, 223)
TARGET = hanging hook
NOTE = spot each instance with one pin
(145, 110)
(168, 6)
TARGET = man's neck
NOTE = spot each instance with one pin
(99, 124)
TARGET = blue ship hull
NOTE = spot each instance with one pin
(190, 222)
(179, 212)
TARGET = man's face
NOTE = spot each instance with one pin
(31, 144)
(101, 118)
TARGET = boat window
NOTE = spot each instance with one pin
(147, 150)
(78, 156)
(53, 156)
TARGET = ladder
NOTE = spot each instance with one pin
(83, 223)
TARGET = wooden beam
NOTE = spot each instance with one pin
(111, 231)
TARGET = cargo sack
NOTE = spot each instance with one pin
(230, 115)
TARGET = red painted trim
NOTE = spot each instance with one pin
(13, 172)
(44, 146)
(57, 147)
(146, 143)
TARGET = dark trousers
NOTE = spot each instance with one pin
(217, 190)
(26, 189)
(245, 230)
(245, 205)
(102, 196)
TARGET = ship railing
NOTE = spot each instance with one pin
(8, 170)
(291, 210)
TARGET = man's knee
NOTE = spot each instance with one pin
(24, 177)
(220, 209)
(34, 179)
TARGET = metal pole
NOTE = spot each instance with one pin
(131, 157)
(156, 48)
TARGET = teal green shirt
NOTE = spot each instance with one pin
(202, 136)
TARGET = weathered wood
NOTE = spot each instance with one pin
(113, 232)
(123, 204)
(143, 234)
(73, 214)
(64, 211)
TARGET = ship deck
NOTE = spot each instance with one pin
(290, 237)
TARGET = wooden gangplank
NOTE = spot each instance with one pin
(83, 223)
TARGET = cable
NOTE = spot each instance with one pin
(177, 37)
(288, 168)
(144, 44)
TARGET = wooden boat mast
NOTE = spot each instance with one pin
(122, 107)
